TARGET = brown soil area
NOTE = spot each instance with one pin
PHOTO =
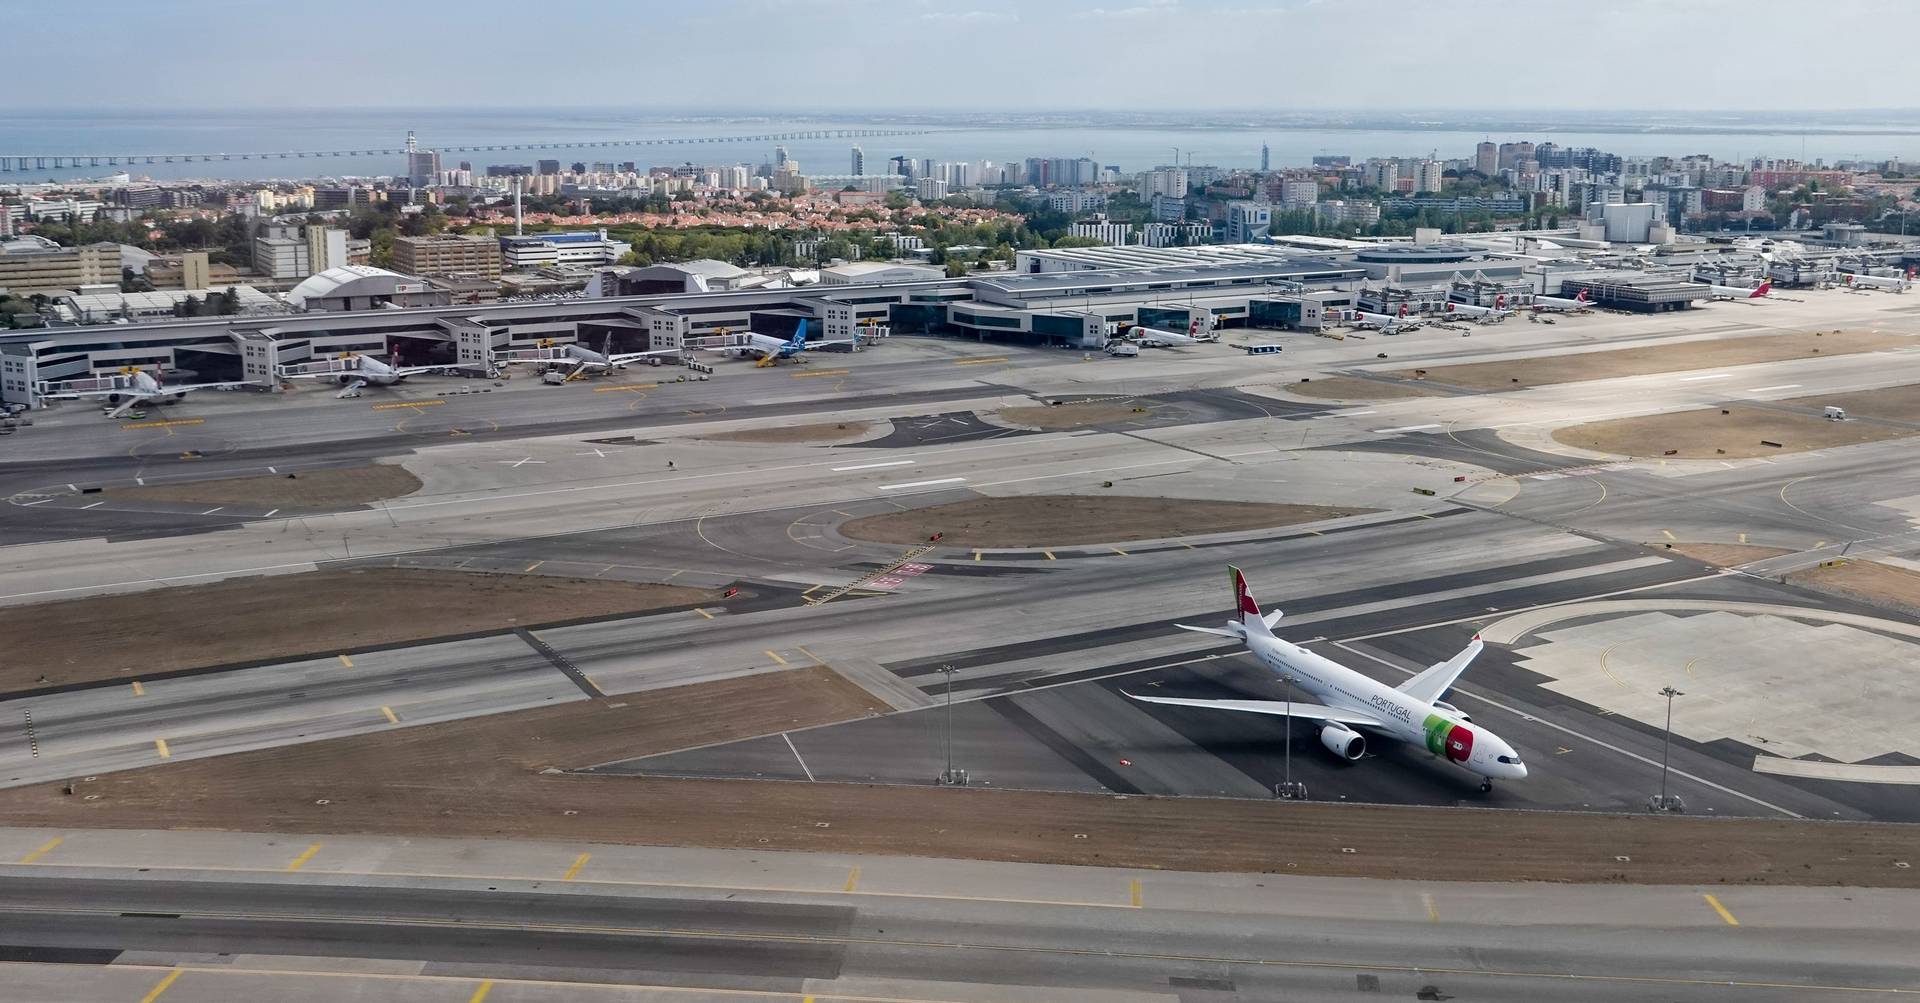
(480, 778)
(331, 487)
(1707, 433)
(1352, 388)
(1668, 358)
(1064, 520)
(824, 432)
(1066, 416)
(285, 616)
(1726, 555)
(1874, 582)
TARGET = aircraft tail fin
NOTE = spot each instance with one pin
(1248, 610)
(800, 336)
(1763, 289)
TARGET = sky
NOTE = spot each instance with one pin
(990, 55)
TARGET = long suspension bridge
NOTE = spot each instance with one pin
(44, 161)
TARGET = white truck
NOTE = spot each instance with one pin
(1122, 349)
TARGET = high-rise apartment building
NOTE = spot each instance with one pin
(447, 254)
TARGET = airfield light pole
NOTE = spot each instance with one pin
(1665, 803)
(950, 777)
(1288, 790)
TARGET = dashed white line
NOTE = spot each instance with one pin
(214, 509)
(31, 504)
(270, 513)
(874, 466)
(1715, 376)
(1783, 386)
(1403, 428)
(83, 508)
(921, 484)
(796, 756)
(1352, 414)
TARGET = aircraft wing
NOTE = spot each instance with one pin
(411, 370)
(625, 357)
(1278, 708)
(1431, 684)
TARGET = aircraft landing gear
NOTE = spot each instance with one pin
(1486, 786)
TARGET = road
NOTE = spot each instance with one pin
(335, 919)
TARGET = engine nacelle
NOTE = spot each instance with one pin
(1451, 709)
(1343, 741)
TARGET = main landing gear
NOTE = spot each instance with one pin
(1486, 786)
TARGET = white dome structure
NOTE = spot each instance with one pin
(354, 287)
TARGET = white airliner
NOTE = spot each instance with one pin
(1737, 293)
(1412, 712)
(353, 372)
(768, 349)
(578, 360)
(1385, 323)
(129, 389)
(1889, 283)
(1484, 314)
(1558, 304)
(1155, 338)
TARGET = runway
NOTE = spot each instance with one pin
(365, 917)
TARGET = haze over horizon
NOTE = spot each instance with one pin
(973, 55)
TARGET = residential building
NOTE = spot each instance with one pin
(326, 247)
(1248, 222)
(1076, 201)
(859, 164)
(590, 248)
(1170, 181)
(448, 254)
(1382, 174)
(1174, 234)
(83, 210)
(281, 252)
(195, 272)
(1427, 175)
(1169, 208)
(931, 189)
(1486, 158)
(1512, 155)
(32, 264)
(1104, 230)
(1299, 193)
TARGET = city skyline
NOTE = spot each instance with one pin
(1472, 54)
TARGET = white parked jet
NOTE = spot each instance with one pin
(1354, 702)
(353, 372)
(578, 360)
(1737, 293)
(1156, 338)
(768, 349)
(128, 389)
(1484, 314)
(1889, 283)
(1386, 324)
(1557, 304)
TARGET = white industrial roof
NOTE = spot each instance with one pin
(377, 281)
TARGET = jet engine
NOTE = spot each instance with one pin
(1343, 741)
(1462, 715)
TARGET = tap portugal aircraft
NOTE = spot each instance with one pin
(1412, 712)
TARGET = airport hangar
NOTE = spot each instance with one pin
(1077, 310)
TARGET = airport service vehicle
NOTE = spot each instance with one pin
(1559, 304)
(1355, 703)
(1889, 283)
(1263, 349)
(128, 388)
(1122, 349)
(1736, 293)
(353, 372)
(769, 350)
(1484, 314)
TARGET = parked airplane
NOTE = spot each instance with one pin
(353, 372)
(1889, 283)
(1156, 338)
(1557, 304)
(768, 349)
(129, 388)
(578, 360)
(1484, 314)
(1386, 324)
(1411, 712)
(1736, 293)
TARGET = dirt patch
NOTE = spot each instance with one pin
(1726, 555)
(480, 778)
(1064, 520)
(1668, 358)
(330, 487)
(1707, 433)
(1882, 584)
(285, 616)
(1351, 388)
(1078, 415)
(836, 431)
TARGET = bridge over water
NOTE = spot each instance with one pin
(43, 161)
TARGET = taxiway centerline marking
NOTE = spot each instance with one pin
(139, 690)
(44, 849)
(1722, 910)
(578, 862)
(921, 484)
(853, 879)
(480, 993)
(823, 372)
(164, 984)
(348, 662)
(388, 711)
(770, 653)
(301, 860)
(160, 746)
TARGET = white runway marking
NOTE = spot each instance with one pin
(921, 484)
(1783, 386)
(1403, 428)
(31, 504)
(874, 466)
(270, 513)
(796, 756)
(214, 509)
(94, 505)
(1715, 376)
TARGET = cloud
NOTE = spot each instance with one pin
(1147, 9)
(971, 17)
